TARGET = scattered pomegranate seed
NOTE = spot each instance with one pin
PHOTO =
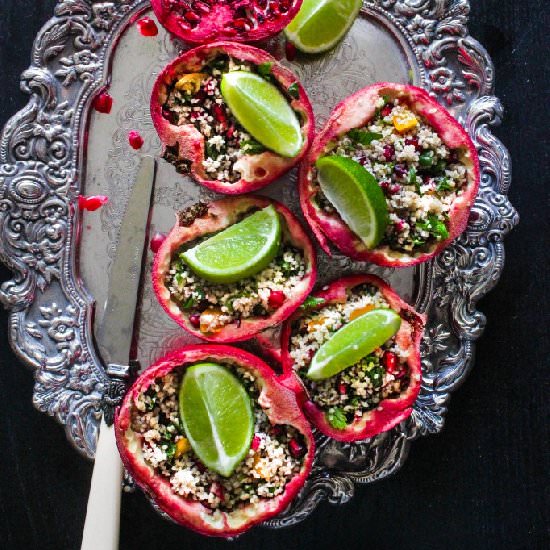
(135, 140)
(230, 132)
(256, 440)
(147, 27)
(296, 448)
(156, 241)
(386, 110)
(92, 202)
(276, 298)
(342, 389)
(385, 185)
(400, 170)
(394, 188)
(389, 152)
(195, 320)
(453, 157)
(290, 50)
(413, 141)
(219, 114)
(399, 225)
(103, 103)
(277, 430)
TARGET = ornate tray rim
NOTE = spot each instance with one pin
(41, 167)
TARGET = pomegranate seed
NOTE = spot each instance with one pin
(400, 170)
(413, 141)
(230, 132)
(277, 430)
(156, 241)
(399, 225)
(394, 189)
(135, 140)
(103, 103)
(191, 16)
(342, 389)
(389, 152)
(147, 27)
(217, 490)
(256, 440)
(92, 203)
(200, 467)
(219, 114)
(290, 50)
(390, 362)
(195, 320)
(453, 157)
(276, 298)
(385, 185)
(386, 110)
(296, 448)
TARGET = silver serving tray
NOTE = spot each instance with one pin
(58, 147)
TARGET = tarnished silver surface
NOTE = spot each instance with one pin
(57, 147)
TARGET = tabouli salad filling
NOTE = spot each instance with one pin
(275, 456)
(212, 306)
(359, 388)
(419, 175)
(196, 99)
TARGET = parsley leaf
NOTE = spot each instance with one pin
(434, 226)
(363, 137)
(311, 301)
(443, 185)
(264, 69)
(293, 90)
(337, 418)
(252, 147)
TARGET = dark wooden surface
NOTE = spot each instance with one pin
(482, 483)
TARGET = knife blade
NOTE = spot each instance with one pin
(114, 335)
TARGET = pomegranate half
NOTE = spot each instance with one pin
(401, 359)
(208, 220)
(204, 513)
(203, 21)
(363, 113)
(193, 136)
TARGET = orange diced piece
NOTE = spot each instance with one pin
(182, 446)
(209, 320)
(404, 121)
(360, 311)
(314, 323)
(190, 83)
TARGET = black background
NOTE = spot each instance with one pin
(482, 483)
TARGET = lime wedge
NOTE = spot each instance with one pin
(241, 250)
(356, 196)
(217, 416)
(263, 111)
(353, 342)
(320, 24)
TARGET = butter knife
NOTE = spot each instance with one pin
(114, 340)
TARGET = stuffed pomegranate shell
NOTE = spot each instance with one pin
(376, 392)
(202, 21)
(156, 450)
(201, 134)
(420, 157)
(229, 312)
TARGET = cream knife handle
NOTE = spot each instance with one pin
(101, 528)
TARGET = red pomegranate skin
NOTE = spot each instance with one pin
(389, 412)
(220, 215)
(283, 409)
(204, 21)
(355, 112)
(263, 168)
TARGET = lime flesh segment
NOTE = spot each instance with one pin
(240, 251)
(356, 196)
(217, 416)
(321, 24)
(263, 111)
(353, 342)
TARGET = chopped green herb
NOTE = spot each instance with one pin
(443, 185)
(264, 69)
(337, 418)
(171, 449)
(426, 159)
(411, 179)
(312, 301)
(386, 99)
(440, 166)
(363, 137)
(252, 147)
(418, 242)
(294, 90)
(211, 151)
(411, 76)
(434, 226)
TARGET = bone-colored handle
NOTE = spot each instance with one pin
(101, 528)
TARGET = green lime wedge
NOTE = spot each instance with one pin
(241, 250)
(321, 24)
(263, 111)
(217, 416)
(356, 196)
(353, 342)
